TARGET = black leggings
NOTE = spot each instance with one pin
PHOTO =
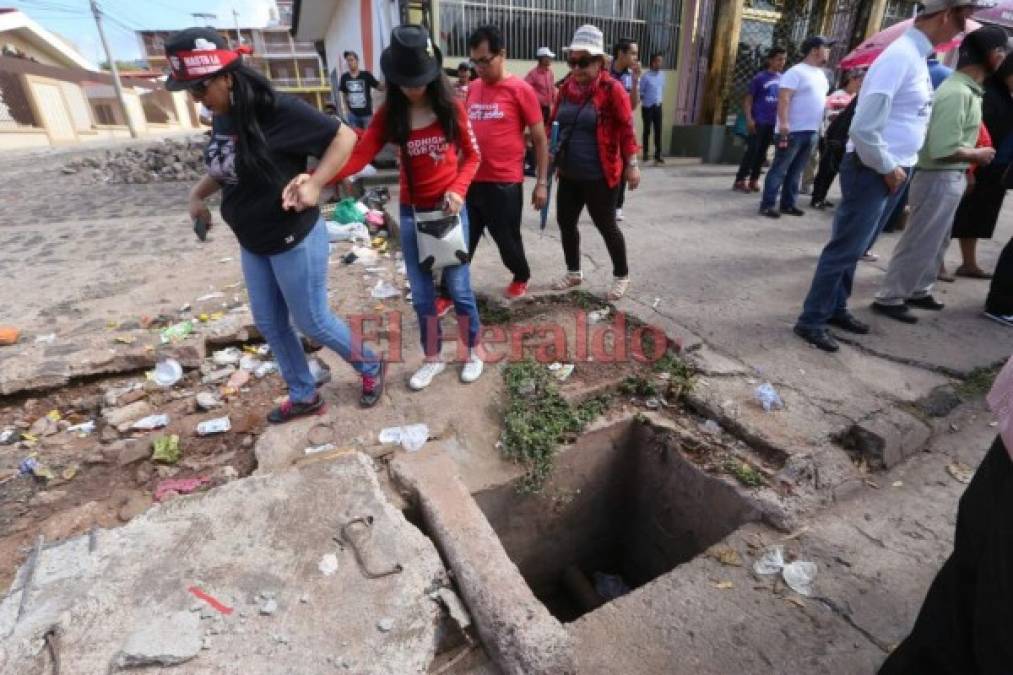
(600, 199)
(1000, 292)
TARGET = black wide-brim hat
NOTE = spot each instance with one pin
(196, 55)
(411, 60)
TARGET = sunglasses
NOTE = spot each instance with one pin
(485, 60)
(582, 62)
(201, 88)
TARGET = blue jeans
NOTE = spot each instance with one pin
(457, 280)
(866, 200)
(786, 169)
(294, 284)
(359, 121)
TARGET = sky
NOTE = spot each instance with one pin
(72, 20)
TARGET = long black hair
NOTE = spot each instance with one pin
(252, 99)
(441, 99)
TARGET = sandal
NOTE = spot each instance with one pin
(619, 287)
(975, 273)
(945, 276)
(569, 280)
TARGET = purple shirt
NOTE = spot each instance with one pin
(763, 89)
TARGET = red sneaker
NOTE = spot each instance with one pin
(443, 307)
(516, 289)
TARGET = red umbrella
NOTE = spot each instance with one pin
(864, 54)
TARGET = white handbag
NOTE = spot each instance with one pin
(440, 240)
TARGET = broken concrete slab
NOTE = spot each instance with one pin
(516, 629)
(37, 367)
(235, 545)
(162, 641)
(888, 437)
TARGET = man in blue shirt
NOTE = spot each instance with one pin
(652, 91)
(760, 108)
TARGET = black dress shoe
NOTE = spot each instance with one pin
(770, 213)
(848, 322)
(819, 338)
(926, 302)
(793, 211)
(899, 312)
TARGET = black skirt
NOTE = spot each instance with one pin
(979, 209)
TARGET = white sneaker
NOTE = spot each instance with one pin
(423, 377)
(1004, 319)
(472, 369)
(619, 214)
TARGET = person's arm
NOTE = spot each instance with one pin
(747, 108)
(306, 193)
(949, 113)
(541, 193)
(199, 194)
(297, 195)
(623, 113)
(376, 84)
(467, 165)
(866, 133)
(635, 90)
(783, 103)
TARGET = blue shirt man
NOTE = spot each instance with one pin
(652, 92)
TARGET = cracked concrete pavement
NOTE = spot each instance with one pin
(706, 267)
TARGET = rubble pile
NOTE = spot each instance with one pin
(167, 160)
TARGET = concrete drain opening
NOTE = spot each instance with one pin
(623, 507)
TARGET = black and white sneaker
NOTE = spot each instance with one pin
(1004, 319)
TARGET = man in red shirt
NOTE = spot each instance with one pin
(543, 81)
(501, 106)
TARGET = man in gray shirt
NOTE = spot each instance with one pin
(886, 134)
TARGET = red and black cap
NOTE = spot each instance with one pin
(198, 54)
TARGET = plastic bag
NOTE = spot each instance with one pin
(411, 436)
(384, 290)
(771, 562)
(799, 576)
(348, 232)
(768, 397)
(346, 212)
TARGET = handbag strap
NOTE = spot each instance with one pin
(565, 142)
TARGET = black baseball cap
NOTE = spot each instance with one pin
(814, 42)
(198, 54)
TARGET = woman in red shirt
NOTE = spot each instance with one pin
(439, 158)
(597, 145)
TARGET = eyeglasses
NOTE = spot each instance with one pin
(582, 62)
(484, 61)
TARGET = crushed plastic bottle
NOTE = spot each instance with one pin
(265, 369)
(768, 398)
(176, 332)
(230, 356)
(219, 425)
(151, 422)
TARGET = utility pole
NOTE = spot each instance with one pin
(239, 37)
(116, 71)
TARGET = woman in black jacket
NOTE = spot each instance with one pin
(979, 209)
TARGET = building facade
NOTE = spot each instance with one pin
(293, 66)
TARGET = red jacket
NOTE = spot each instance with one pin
(438, 167)
(616, 138)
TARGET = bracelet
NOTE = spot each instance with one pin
(542, 183)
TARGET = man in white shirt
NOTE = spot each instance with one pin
(886, 134)
(802, 94)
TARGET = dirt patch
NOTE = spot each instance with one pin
(105, 478)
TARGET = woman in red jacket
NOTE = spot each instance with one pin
(423, 117)
(597, 144)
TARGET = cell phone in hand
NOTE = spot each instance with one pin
(200, 228)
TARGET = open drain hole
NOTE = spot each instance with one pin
(622, 502)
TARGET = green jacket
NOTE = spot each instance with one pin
(955, 121)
